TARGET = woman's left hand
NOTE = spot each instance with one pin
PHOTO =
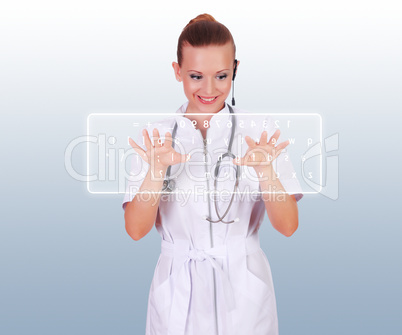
(261, 155)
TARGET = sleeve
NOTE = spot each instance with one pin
(138, 170)
(283, 165)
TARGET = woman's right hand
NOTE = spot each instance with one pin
(160, 155)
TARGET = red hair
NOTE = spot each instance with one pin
(201, 31)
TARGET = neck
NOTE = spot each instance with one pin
(200, 119)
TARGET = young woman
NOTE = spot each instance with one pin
(212, 277)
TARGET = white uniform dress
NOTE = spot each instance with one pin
(212, 278)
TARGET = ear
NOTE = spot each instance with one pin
(237, 67)
(176, 69)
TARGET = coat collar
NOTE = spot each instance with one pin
(182, 110)
(217, 121)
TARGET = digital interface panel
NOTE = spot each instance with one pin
(110, 157)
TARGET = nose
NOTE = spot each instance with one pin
(209, 88)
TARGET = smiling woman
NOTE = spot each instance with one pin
(205, 64)
(212, 277)
(206, 73)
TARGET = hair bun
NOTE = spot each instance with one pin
(202, 31)
(201, 17)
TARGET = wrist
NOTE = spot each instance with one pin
(157, 173)
(264, 171)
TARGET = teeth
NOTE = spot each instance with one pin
(207, 99)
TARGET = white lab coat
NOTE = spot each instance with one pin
(212, 278)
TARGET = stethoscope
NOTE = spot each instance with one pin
(169, 184)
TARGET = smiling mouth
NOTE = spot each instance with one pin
(207, 99)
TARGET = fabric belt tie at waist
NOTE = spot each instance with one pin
(183, 287)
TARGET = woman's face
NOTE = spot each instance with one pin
(206, 73)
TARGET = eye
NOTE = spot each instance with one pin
(195, 77)
(222, 76)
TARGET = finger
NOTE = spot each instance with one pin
(142, 154)
(147, 140)
(133, 144)
(156, 138)
(255, 155)
(274, 137)
(279, 148)
(168, 140)
(137, 148)
(248, 157)
(250, 142)
(238, 161)
(246, 161)
(185, 158)
(282, 145)
(264, 136)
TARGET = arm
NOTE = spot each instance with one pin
(281, 207)
(140, 213)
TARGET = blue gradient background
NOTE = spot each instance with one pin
(67, 264)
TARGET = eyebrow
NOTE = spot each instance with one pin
(201, 72)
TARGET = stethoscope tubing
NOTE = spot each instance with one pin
(168, 187)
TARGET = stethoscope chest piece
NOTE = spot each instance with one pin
(168, 185)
